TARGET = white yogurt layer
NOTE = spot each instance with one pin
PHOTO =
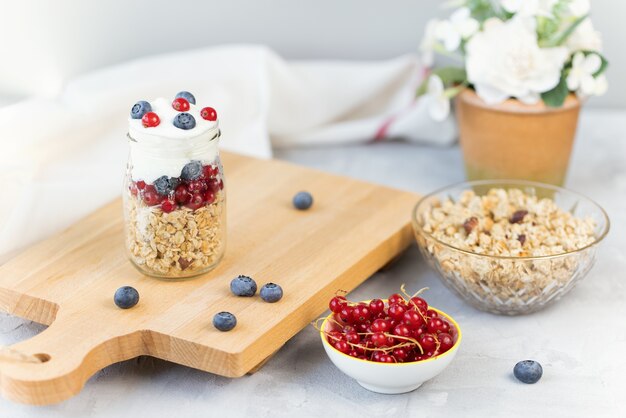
(165, 149)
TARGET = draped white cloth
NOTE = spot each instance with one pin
(63, 157)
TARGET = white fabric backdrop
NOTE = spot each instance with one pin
(64, 157)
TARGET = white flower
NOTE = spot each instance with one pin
(436, 100)
(429, 42)
(529, 8)
(579, 8)
(460, 26)
(584, 38)
(601, 85)
(580, 78)
(504, 60)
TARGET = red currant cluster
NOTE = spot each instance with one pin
(192, 194)
(399, 331)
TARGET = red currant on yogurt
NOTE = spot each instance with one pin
(150, 120)
(208, 113)
(180, 104)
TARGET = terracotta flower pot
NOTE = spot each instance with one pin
(516, 141)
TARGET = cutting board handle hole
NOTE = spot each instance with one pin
(43, 357)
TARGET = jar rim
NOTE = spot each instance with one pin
(215, 137)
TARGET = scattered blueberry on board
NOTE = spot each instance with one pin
(184, 121)
(126, 297)
(302, 200)
(528, 371)
(139, 109)
(186, 95)
(243, 286)
(271, 292)
(224, 321)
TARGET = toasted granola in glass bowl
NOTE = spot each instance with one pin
(508, 246)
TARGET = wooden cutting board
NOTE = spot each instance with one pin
(67, 281)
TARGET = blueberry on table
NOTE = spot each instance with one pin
(184, 121)
(243, 286)
(271, 292)
(302, 200)
(186, 95)
(139, 109)
(126, 297)
(191, 171)
(224, 321)
(528, 371)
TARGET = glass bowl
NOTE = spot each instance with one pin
(510, 285)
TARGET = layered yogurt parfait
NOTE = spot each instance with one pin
(174, 195)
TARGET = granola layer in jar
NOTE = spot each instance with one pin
(174, 195)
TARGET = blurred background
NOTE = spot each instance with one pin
(45, 43)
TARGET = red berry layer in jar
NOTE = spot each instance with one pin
(174, 193)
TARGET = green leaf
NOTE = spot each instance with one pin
(449, 75)
(556, 97)
(560, 37)
(603, 66)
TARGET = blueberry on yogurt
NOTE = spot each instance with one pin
(187, 96)
(139, 109)
(184, 121)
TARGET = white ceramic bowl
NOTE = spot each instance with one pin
(391, 378)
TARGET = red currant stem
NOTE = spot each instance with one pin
(409, 339)
(424, 317)
(403, 290)
(316, 324)
(341, 292)
(419, 292)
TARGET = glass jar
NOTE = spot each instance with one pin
(174, 204)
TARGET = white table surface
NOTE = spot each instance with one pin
(580, 341)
